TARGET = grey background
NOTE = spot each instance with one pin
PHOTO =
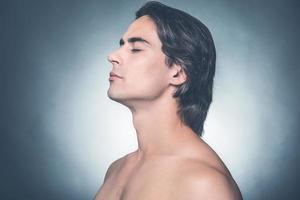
(59, 131)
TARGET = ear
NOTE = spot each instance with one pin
(178, 75)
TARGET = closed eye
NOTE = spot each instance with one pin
(135, 50)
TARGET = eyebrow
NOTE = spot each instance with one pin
(133, 40)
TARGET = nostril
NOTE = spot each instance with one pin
(114, 61)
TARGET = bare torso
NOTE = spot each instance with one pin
(158, 176)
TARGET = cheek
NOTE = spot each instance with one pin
(147, 70)
(150, 70)
(154, 65)
(148, 80)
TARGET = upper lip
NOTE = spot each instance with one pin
(114, 74)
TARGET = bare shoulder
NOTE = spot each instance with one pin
(114, 166)
(205, 182)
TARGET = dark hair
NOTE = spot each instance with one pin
(187, 42)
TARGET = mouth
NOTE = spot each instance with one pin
(113, 76)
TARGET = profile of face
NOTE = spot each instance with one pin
(140, 64)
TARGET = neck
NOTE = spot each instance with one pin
(158, 127)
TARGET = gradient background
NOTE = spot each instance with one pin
(59, 130)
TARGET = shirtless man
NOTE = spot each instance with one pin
(163, 72)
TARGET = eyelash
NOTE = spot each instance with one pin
(135, 50)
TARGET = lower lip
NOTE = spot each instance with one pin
(113, 78)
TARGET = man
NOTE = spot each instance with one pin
(163, 72)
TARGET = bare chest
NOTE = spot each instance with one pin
(147, 182)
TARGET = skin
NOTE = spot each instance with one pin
(171, 162)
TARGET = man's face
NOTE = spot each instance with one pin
(140, 63)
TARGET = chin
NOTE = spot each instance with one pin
(111, 95)
(114, 96)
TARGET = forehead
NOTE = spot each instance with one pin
(145, 28)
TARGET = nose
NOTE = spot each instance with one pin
(114, 58)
